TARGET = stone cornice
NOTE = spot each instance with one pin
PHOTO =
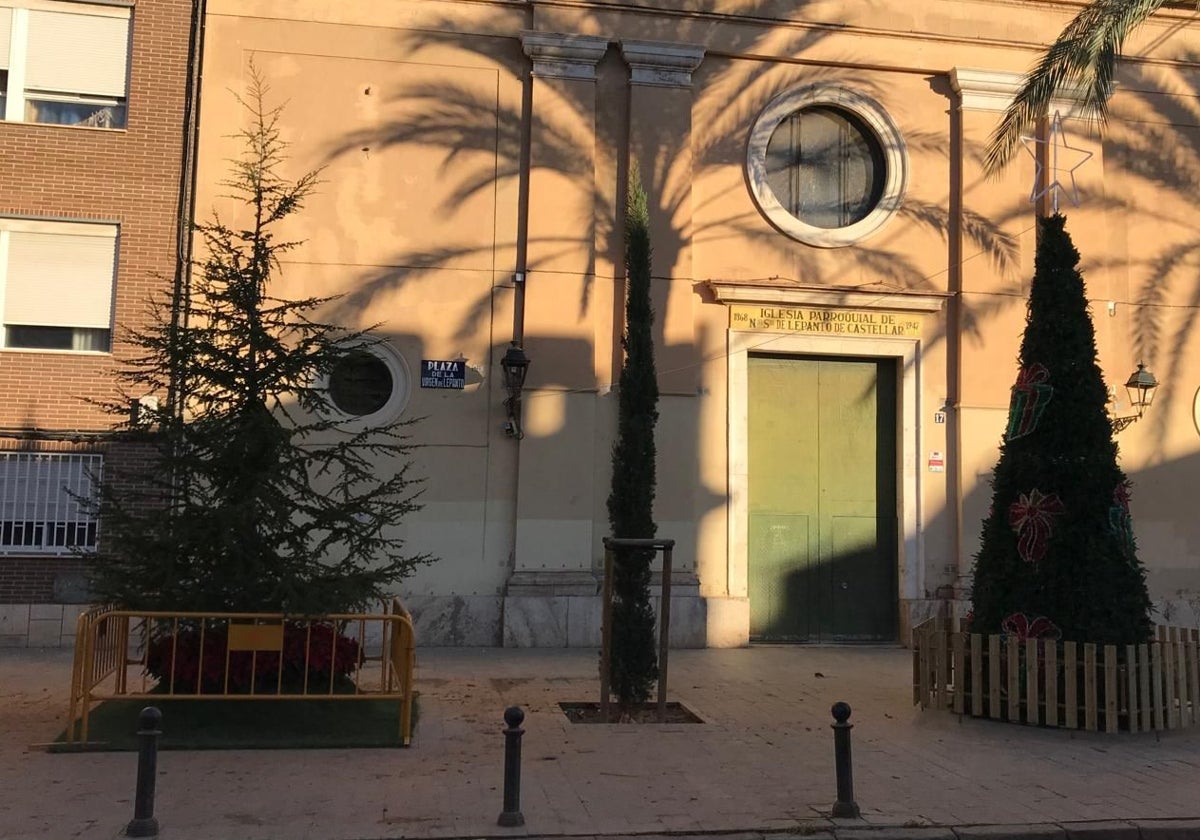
(727, 291)
(661, 63)
(993, 90)
(564, 56)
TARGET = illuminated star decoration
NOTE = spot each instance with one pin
(1056, 144)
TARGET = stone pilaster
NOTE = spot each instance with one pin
(560, 56)
(660, 140)
(551, 596)
(979, 411)
(661, 63)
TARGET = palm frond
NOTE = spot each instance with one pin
(1083, 58)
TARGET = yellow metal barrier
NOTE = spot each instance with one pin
(373, 654)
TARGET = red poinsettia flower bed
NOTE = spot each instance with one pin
(330, 656)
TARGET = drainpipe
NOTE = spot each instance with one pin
(186, 207)
(184, 213)
(518, 332)
(518, 326)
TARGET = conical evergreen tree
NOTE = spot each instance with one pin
(634, 663)
(1058, 543)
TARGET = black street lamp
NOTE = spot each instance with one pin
(514, 366)
(1141, 386)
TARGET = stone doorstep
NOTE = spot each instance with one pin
(896, 833)
(1039, 831)
(1102, 830)
(1166, 829)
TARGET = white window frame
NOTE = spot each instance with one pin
(10, 225)
(874, 117)
(396, 403)
(17, 94)
(37, 514)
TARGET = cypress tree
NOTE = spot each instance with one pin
(1058, 542)
(633, 662)
(256, 496)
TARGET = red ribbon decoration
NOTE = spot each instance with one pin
(1030, 516)
(1031, 393)
(1119, 519)
(1019, 625)
(1121, 496)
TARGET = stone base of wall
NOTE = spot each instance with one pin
(455, 620)
(574, 621)
(499, 621)
(521, 621)
(39, 625)
(440, 621)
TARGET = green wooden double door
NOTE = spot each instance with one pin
(822, 499)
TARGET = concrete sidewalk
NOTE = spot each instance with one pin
(761, 763)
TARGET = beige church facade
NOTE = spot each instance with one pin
(839, 290)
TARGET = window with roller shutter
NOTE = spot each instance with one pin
(64, 63)
(56, 285)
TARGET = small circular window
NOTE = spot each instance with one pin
(360, 383)
(826, 165)
(368, 381)
(1196, 410)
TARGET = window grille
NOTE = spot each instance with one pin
(40, 509)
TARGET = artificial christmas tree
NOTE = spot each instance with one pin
(1058, 555)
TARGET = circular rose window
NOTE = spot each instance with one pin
(826, 165)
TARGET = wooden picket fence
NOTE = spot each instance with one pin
(1043, 682)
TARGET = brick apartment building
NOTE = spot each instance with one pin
(93, 101)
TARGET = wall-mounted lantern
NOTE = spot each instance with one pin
(514, 365)
(1141, 386)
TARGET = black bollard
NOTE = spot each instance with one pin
(511, 815)
(845, 805)
(143, 823)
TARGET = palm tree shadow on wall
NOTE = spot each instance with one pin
(1143, 102)
(446, 115)
(1154, 141)
(1151, 142)
(481, 136)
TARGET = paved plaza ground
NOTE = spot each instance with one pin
(761, 762)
